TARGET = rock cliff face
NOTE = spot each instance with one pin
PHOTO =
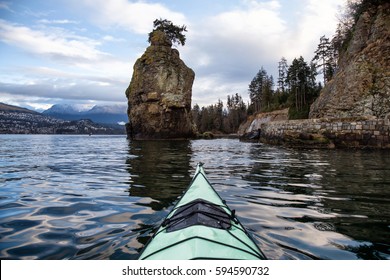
(159, 94)
(361, 87)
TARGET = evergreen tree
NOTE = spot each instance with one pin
(297, 80)
(236, 113)
(256, 89)
(282, 71)
(196, 115)
(325, 58)
(268, 92)
(216, 118)
(303, 89)
(260, 91)
(205, 123)
(173, 32)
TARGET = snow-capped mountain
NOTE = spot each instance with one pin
(65, 109)
(109, 109)
(99, 113)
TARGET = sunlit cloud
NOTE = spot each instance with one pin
(57, 21)
(237, 43)
(137, 16)
(63, 45)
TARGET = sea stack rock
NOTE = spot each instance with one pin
(361, 86)
(159, 94)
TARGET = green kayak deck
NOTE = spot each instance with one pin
(201, 226)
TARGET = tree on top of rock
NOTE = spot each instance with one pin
(173, 32)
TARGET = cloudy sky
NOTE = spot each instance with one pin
(83, 51)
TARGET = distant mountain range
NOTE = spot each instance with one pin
(111, 114)
(10, 108)
(18, 120)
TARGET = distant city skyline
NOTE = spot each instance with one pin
(82, 52)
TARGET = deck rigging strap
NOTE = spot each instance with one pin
(199, 212)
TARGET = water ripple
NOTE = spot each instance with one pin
(78, 197)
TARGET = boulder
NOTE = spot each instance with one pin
(159, 94)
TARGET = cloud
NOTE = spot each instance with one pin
(246, 36)
(208, 89)
(132, 16)
(81, 71)
(57, 21)
(30, 102)
(109, 38)
(228, 49)
(318, 19)
(52, 86)
(5, 6)
(65, 88)
(58, 45)
(42, 103)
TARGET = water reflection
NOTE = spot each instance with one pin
(159, 172)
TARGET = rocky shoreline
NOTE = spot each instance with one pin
(329, 133)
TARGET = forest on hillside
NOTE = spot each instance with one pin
(296, 86)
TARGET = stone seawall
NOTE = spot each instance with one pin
(328, 133)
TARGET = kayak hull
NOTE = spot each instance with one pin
(201, 226)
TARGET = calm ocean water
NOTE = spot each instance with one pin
(101, 197)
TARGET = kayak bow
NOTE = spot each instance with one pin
(201, 226)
